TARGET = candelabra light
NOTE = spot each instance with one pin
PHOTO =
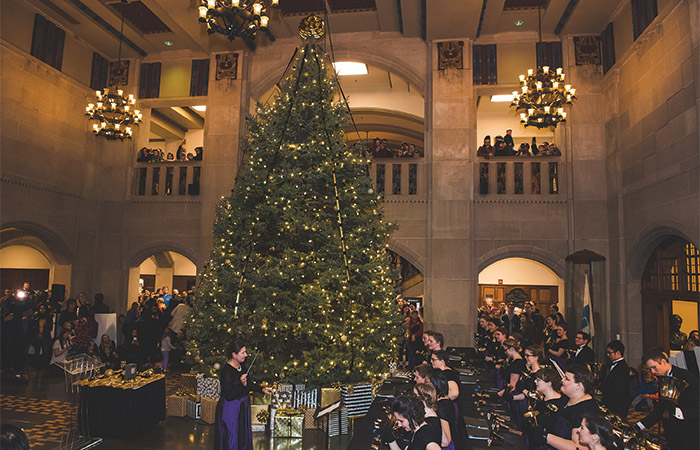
(113, 113)
(542, 97)
(237, 18)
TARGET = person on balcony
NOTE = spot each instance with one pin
(486, 150)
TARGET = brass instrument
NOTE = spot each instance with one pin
(671, 388)
(631, 438)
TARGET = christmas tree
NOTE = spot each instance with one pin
(298, 266)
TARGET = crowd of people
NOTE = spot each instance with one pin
(380, 149)
(156, 155)
(44, 331)
(528, 356)
(528, 352)
(504, 146)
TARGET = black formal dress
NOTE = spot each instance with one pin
(421, 438)
(615, 386)
(574, 414)
(681, 433)
(233, 429)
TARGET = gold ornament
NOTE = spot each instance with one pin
(312, 27)
(351, 389)
(109, 372)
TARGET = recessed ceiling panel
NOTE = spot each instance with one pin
(141, 17)
(317, 6)
(512, 5)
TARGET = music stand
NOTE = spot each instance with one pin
(325, 413)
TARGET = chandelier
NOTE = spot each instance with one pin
(113, 114)
(543, 94)
(542, 97)
(236, 18)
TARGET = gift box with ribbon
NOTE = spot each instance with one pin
(209, 410)
(288, 423)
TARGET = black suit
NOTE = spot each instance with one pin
(584, 357)
(511, 324)
(680, 434)
(616, 387)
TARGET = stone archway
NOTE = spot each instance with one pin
(45, 241)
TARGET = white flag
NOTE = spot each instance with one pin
(587, 320)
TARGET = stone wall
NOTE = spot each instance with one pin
(651, 134)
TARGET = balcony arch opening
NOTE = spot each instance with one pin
(161, 269)
(519, 280)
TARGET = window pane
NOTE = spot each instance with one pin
(143, 173)
(483, 178)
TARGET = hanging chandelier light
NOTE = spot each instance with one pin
(113, 114)
(237, 18)
(543, 95)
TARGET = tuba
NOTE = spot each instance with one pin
(671, 388)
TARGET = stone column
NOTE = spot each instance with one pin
(450, 287)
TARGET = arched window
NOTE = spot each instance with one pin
(673, 270)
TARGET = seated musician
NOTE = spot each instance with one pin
(578, 386)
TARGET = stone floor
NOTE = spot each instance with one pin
(42, 407)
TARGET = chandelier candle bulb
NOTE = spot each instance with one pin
(263, 21)
(257, 9)
(211, 4)
(522, 78)
(559, 70)
(202, 12)
(545, 69)
(529, 72)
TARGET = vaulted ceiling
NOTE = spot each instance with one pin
(149, 24)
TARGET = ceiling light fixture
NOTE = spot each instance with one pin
(237, 18)
(519, 23)
(543, 95)
(113, 114)
(344, 68)
(168, 43)
(200, 108)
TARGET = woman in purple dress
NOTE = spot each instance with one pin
(233, 426)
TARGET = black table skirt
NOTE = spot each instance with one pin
(121, 413)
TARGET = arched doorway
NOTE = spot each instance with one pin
(27, 257)
(670, 286)
(162, 269)
(410, 277)
(519, 279)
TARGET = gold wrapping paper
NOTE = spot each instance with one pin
(288, 423)
(329, 395)
(208, 414)
(255, 412)
(176, 405)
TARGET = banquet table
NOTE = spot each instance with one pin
(123, 412)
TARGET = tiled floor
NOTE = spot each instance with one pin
(43, 409)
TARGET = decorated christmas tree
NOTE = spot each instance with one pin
(298, 266)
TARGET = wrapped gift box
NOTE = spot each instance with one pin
(309, 420)
(194, 408)
(258, 398)
(189, 384)
(288, 423)
(329, 396)
(209, 410)
(176, 405)
(335, 425)
(357, 398)
(258, 413)
(282, 399)
(209, 387)
(305, 397)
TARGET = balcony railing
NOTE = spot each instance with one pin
(519, 176)
(167, 179)
(399, 177)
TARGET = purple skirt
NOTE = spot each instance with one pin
(233, 429)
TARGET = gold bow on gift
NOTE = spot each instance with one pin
(263, 416)
(287, 412)
(302, 408)
(337, 385)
